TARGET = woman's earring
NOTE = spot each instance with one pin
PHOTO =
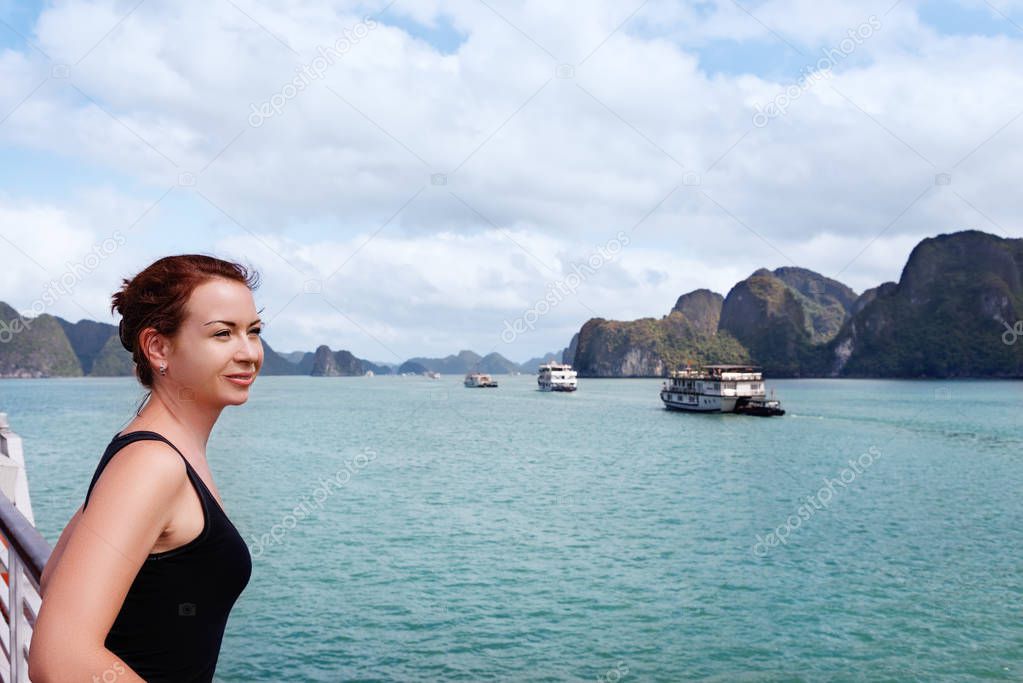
(163, 370)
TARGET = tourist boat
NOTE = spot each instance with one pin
(479, 380)
(719, 389)
(556, 377)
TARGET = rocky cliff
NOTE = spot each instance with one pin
(275, 364)
(328, 363)
(35, 347)
(650, 347)
(954, 313)
(702, 308)
(783, 318)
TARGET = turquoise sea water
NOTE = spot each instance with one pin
(514, 535)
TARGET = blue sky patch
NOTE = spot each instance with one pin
(443, 37)
(959, 18)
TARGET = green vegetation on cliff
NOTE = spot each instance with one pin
(955, 312)
(651, 348)
(784, 317)
(958, 296)
(35, 347)
(113, 360)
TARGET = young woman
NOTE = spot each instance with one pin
(141, 582)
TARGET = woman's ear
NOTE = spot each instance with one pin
(155, 347)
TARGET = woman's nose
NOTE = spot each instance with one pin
(250, 350)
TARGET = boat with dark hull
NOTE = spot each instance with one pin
(761, 407)
(719, 389)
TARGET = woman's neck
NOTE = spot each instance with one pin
(186, 424)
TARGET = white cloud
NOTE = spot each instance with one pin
(67, 259)
(559, 164)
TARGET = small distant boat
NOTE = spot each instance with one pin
(433, 374)
(479, 380)
(556, 377)
(720, 389)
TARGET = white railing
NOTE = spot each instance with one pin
(23, 554)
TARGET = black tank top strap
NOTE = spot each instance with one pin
(122, 440)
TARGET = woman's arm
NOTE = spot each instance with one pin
(130, 506)
(58, 551)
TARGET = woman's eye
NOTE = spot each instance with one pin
(255, 330)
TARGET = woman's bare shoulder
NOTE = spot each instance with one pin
(142, 479)
(140, 471)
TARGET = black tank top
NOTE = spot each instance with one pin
(172, 621)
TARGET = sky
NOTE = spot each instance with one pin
(413, 178)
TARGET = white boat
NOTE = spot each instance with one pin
(556, 377)
(719, 389)
(479, 380)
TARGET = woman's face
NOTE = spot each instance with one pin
(219, 337)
